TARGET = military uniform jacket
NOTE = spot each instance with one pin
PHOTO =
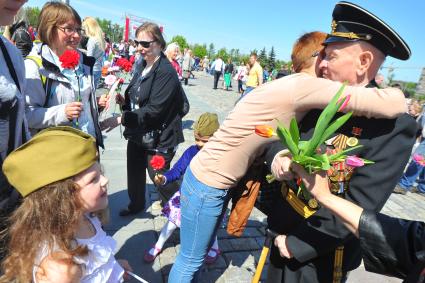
(313, 241)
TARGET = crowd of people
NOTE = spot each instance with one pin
(53, 202)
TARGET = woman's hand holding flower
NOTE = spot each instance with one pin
(159, 179)
(73, 110)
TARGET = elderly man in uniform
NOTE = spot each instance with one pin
(314, 246)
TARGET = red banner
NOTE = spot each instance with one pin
(127, 29)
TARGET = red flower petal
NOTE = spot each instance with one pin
(157, 162)
(70, 59)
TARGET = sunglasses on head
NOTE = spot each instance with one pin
(144, 44)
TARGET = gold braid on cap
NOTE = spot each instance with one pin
(350, 35)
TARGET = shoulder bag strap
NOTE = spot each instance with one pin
(9, 64)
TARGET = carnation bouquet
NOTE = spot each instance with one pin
(307, 153)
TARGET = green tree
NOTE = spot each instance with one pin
(181, 41)
(222, 53)
(211, 50)
(262, 58)
(200, 50)
(237, 56)
(117, 33)
(106, 26)
(390, 76)
(244, 59)
(271, 61)
(33, 13)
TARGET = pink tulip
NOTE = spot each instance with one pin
(354, 161)
(346, 100)
(419, 159)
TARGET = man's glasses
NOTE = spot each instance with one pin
(144, 44)
(70, 31)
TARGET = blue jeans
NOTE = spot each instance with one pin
(414, 172)
(248, 89)
(202, 208)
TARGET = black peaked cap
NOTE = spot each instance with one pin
(352, 23)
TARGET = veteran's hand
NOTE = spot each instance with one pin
(110, 123)
(73, 110)
(317, 183)
(280, 243)
(281, 166)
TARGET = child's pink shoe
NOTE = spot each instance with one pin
(148, 257)
(211, 259)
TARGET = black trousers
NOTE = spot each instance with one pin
(138, 160)
(216, 78)
(240, 88)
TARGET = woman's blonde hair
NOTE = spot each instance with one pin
(52, 15)
(93, 29)
(48, 216)
(304, 50)
(170, 49)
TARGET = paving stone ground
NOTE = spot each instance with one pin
(239, 255)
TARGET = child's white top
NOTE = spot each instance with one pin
(99, 265)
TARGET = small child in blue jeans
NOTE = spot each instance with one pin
(204, 128)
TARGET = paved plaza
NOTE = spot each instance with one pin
(240, 255)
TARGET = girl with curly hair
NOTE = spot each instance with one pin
(55, 234)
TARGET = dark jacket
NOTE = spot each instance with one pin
(160, 98)
(313, 241)
(392, 246)
(21, 38)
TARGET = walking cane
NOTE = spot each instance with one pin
(270, 235)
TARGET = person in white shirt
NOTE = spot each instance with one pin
(218, 70)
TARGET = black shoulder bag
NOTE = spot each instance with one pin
(9, 197)
(145, 139)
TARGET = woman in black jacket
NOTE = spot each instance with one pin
(390, 246)
(160, 101)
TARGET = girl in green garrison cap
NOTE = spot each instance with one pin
(204, 128)
(55, 235)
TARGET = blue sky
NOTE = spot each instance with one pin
(256, 24)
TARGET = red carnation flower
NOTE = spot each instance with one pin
(70, 59)
(157, 162)
(127, 66)
(121, 80)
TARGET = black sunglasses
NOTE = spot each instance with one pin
(144, 44)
